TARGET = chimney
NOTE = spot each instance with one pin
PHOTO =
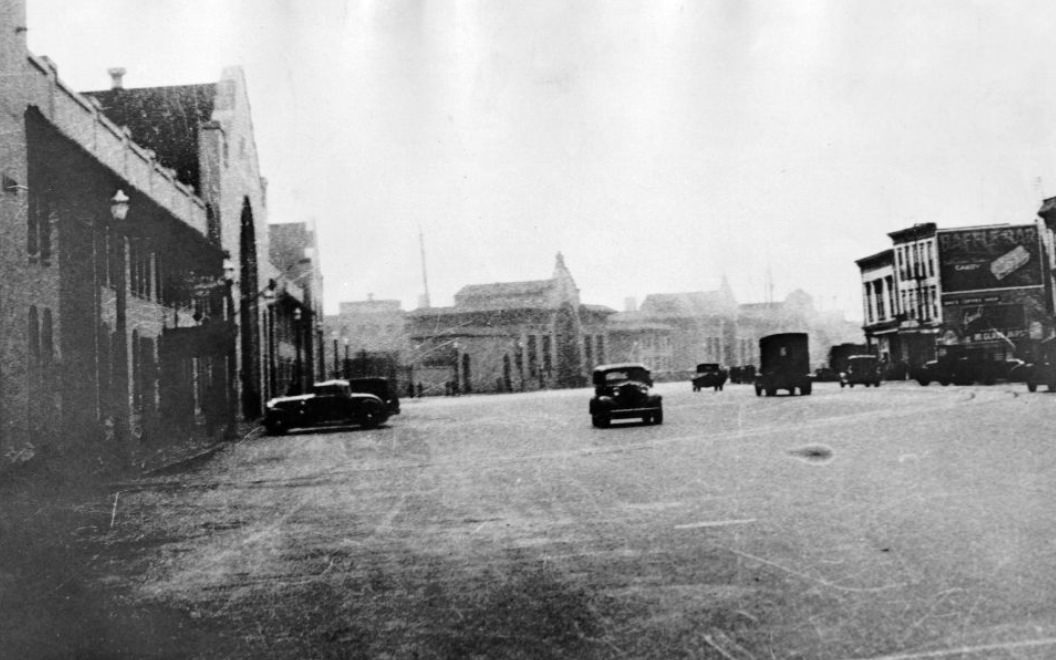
(13, 37)
(116, 76)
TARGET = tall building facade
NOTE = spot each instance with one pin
(134, 262)
(880, 305)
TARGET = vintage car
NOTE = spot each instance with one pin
(330, 403)
(826, 375)
(709, 374)
(961, 365)
(861, 370)
(1041, 370)
(383, 388)
(622, 391)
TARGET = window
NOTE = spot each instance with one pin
(601, 349)
(39, 220)
(867, 294)
(547, 361)
(533, 364)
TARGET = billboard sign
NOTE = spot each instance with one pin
(989, 258)
(1001, 316)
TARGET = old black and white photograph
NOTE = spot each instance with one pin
(562, 329)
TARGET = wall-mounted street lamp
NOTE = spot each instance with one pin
(229, 270)
(119, 204)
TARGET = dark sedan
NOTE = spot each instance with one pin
(330, 403)
(711, 375)
(622, 391)
(383, 388)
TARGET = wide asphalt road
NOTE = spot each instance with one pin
(898, 522)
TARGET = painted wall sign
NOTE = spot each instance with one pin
(990, 258)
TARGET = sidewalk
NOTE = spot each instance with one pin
(165, 456)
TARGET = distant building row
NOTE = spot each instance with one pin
(515, 336)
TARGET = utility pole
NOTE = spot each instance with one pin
(425, 277)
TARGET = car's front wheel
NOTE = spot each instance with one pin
(275, 427)
(370, 417)
(600, 421)
(658, 417)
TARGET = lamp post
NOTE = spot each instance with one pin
(119, 206)
(230, 357)
(348, 363)
(337, 371)
(299, 376)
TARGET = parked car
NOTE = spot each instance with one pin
(709, 374)
(945, 370)
(623, 391)
(784, 364)
(330, 403)
(962, 365)
(742, 373)
(1041, 369)
(826, 375)
(383, 388)
(861, 370)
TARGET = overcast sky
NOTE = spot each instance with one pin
(658, 144)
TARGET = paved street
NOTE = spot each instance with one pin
(899, 522)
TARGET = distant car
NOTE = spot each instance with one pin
(861, 370)
(709, 374)
(330, 403)
(826, 375)
(1042, 370)
(383, 388)
(623, 391)
(965, 367)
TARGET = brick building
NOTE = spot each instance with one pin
(293, 324)
(204, 134)
(509, 336)
(131, 281)
(635, 337)
(985, 287)
(369, 337)
(880, 308)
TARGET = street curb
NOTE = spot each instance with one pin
(188, 461)
(202, 456)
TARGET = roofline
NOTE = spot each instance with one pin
(917, 231)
